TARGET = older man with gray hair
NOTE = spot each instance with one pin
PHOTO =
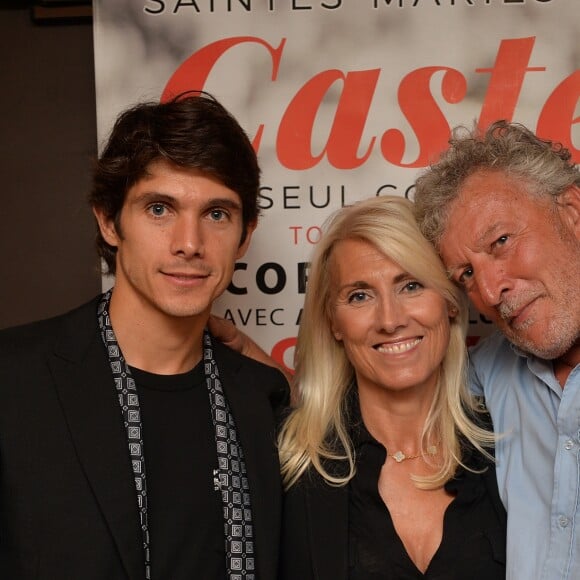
(503, 209)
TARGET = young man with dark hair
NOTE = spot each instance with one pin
(132, 443)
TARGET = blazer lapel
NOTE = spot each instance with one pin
(87, 394)
(327, 512)
(256, 429)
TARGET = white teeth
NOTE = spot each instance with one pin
(399, 347)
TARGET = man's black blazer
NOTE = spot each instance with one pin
(68, 508)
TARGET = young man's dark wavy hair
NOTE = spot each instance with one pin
(194, 131)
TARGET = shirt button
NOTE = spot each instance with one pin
(563, 521)
(569, 444)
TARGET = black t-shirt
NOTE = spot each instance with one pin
(473, 543)
(185, 512)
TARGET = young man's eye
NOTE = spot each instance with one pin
(217, 214)
(157, 209)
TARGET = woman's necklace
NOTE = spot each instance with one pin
(399, 456)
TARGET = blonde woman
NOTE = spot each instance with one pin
(383, 457)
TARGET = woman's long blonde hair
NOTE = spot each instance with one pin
(317, 429)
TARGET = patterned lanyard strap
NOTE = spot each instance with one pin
(129, 403)
(230, 477)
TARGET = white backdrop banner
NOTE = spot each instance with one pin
(343, 99)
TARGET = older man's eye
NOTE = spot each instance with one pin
(501, 241)
(465, 276)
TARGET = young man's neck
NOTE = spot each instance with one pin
(155, 342)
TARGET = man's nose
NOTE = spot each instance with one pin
(187, 237)
(491, 283)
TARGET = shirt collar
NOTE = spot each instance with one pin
(541, 368)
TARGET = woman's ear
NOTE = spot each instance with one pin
(335, 332)
(452, 311)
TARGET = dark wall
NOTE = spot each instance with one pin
(47, 143)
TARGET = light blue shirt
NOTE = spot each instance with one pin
(538, 459)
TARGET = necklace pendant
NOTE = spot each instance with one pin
(399, 456)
